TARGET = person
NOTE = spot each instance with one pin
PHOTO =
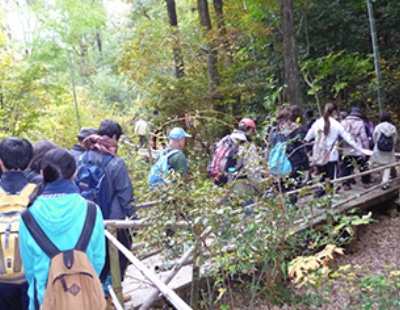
(142, 130)
(177, 163)
(296, 148)
(15, 156)
(119, 190)
(61, 212)
(155, 128)
(249, 170)
(309, 118)
(385, 127)
(79, 148)
(32, 173)
(326, 131)
(354, 124)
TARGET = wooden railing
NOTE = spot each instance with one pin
(161, 286)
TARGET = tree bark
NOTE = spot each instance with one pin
(292, 80)
(173, 21)
(222, 33)
(212, 54)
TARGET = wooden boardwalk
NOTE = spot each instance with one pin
(139, 287)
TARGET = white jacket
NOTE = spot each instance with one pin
(336, 130)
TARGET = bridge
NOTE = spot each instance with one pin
(149, 278)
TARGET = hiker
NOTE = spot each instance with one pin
(288, 160)
(248, 170)
(296, 148)
(155, 128)
(115, 191)
(60, 212)
(174, 159)
(32, 173)
(385, 137)
(309, 118)
(78, 148)
(326, 131)
(354, 124)
(142, 130)
(15, 156)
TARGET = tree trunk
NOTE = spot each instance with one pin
(212, 55)
(173, 21)
(293, 93)
(223, 38)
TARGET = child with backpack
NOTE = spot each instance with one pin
(385, 137)
(15, 195)
(62, 241)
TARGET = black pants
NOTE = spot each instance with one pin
(124, 237)
(326, 171)
(348, 168)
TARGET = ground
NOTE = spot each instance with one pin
(377, 247)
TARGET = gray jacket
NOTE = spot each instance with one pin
(378, 156)
(249, 164)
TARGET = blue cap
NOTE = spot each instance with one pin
(178, 133)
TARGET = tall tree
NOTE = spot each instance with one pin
(173, 21)
(212, 54)
(222, 33)
(290, 53)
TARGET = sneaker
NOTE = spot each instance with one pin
(385, 187)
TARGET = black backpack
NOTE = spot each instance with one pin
(385, 143)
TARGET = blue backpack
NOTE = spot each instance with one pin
(92, 180)
(161, 168)
(278, 161)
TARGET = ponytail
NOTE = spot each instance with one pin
(329, 109)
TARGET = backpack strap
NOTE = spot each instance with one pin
(38, 235)
(47, 245)
(87, 230)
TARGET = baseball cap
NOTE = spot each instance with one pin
(178, 133)
(86, 132)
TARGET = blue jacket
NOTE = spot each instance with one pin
(61, 213)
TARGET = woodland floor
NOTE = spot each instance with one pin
(378, 245)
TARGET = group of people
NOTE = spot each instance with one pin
(332, 146)
(57, 207)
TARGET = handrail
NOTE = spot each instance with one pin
(168, 293)
(315, 185)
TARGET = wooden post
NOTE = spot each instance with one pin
(194, 291)
(329, 191)
(114, 266)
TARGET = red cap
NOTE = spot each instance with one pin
(247, 122)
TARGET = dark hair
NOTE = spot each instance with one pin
(308, 113)
(328, 111)
(295, 114)
(384, 116)
(110, 128)
(39, 150)
(58, 164)
(16, 153)
(282, 115)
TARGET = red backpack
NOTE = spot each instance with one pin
(224, 157)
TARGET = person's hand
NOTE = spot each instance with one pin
(367, 152)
